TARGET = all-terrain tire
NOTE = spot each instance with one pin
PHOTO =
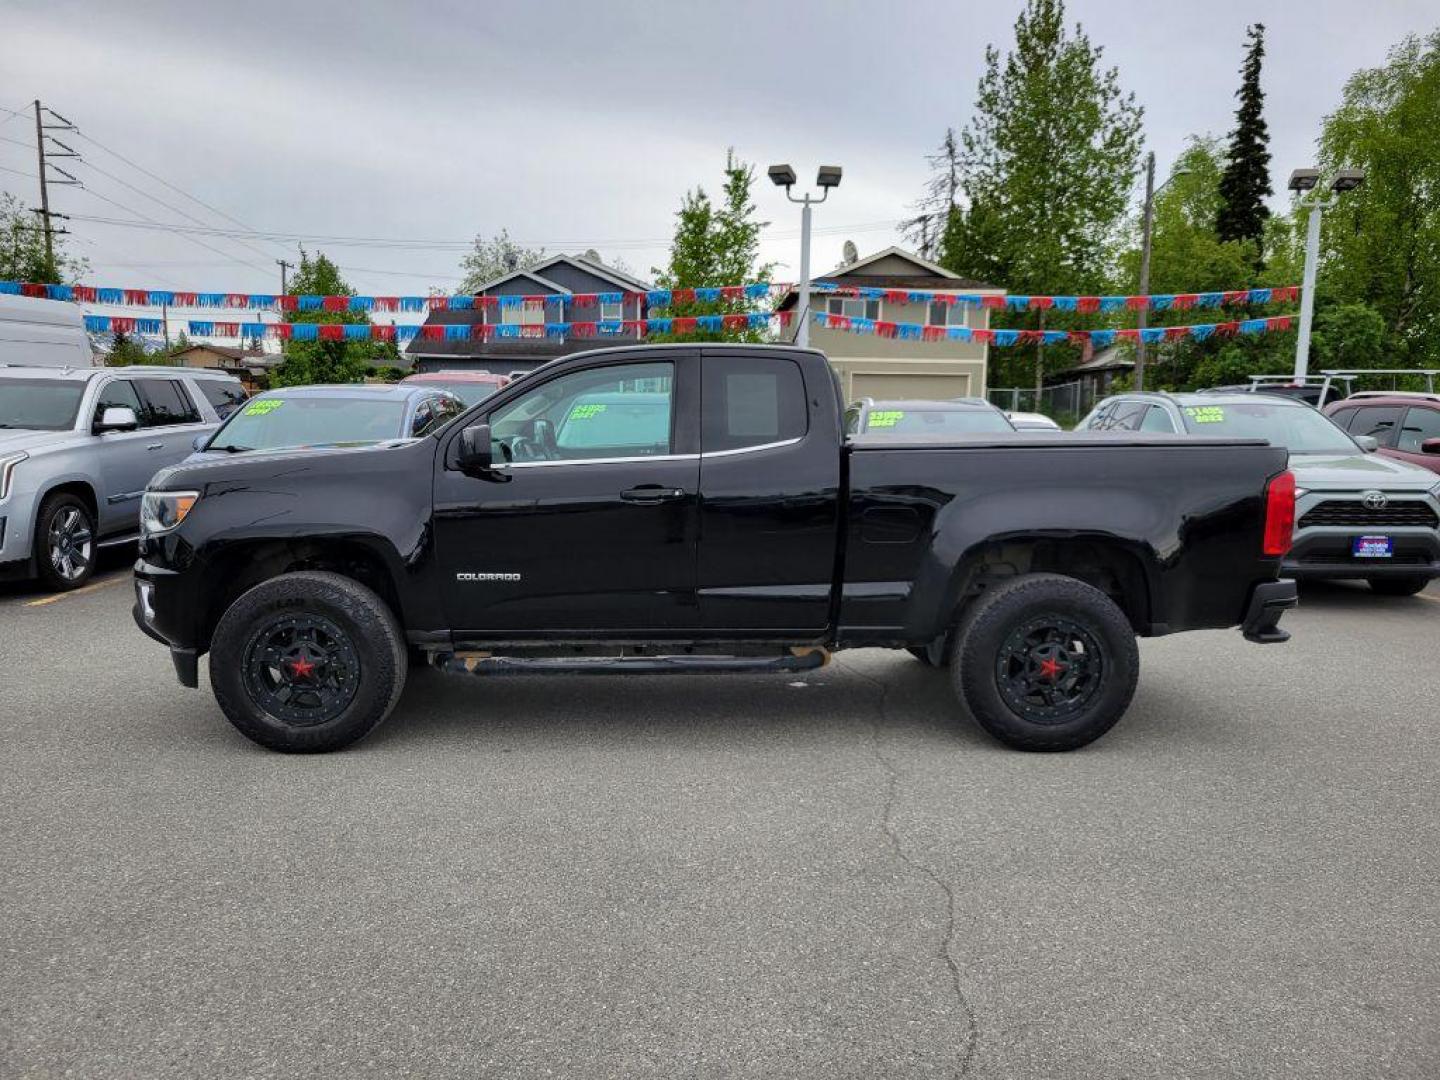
(1406, 585)
(344, 636)
(65, 542)
(1039, 639)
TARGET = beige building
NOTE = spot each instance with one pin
(250, 367)
(880, 367)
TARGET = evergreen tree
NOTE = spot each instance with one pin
(125, 350)
(716, 245)
(307, 362)
(1246, 181)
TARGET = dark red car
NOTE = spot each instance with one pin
(1406, 425)
(468, 386)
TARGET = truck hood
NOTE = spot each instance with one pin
(1358, 472)
(12, 439)
(282, 466)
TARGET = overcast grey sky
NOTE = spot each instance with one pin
(577, 124)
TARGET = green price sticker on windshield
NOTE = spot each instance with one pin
(586, 412)
(1206, 414)
(886, 418)
(263, 407)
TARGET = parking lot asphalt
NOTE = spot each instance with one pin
(834, 876)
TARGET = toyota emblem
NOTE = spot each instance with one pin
(1374, 500)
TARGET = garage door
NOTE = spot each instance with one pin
(932, 387)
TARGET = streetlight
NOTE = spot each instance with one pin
(828, 177)
(1303, 182)
(1147, 228)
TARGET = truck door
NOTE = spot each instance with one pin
(770, 495)
(587, 526)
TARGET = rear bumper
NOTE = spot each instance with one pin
(1269, 601)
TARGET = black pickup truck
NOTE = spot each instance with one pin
(699, 508)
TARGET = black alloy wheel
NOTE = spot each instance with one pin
(1049, 669)
(302, 669)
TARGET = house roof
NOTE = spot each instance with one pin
(929, 267)
(928, 275)
(599, 269)
(530, 274)
(244, 357)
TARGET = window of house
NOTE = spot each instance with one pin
(943, 314)
(855, 308)
(609, 312)
(525, 313)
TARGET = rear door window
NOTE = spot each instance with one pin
(1420, 424)
(166, 403)
(224, 397)
(1379, 421)
(751, 401)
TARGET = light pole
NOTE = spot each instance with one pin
(1303, 181)
(1147, 230)
(828, 177)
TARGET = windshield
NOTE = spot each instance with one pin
(40, 404)
(278, 423)
(466, 390)
(911, 421)
(1299, 429)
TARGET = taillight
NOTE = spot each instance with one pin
(1279, 513)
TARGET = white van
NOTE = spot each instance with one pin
(43, 333)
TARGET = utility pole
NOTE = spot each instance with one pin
(46, 215)
(1146, 228)
(284, 266)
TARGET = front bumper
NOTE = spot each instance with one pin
(1269, 601)
(158, 613)
(1327, 554)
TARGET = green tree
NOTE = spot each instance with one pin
(125, 351)
(716, 245)
(1246, 182)
(22, 248)
(308, 362)
(1381, 243)
(496, 257)
(1048, 162)
(1349, 336)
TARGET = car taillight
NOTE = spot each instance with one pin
(1279, 513)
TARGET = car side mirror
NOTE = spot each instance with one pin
(198, 443)
(476, 454)
(1368, 443)
(1430, 446)
(117, 418)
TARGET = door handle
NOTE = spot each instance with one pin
(652, 493)
(156, 446)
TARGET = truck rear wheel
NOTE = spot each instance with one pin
(1045, 662)
(307, 662)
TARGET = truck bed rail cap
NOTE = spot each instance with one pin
(1021, 439)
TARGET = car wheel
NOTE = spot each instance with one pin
(1405, 585)
(1045, 662)
(308, 662)
(64, 542)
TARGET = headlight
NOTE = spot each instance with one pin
(161, 511)
(1300, 492)
(7, 470)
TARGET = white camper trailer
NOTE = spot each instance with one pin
(43, 333)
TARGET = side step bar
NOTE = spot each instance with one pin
(479, 663)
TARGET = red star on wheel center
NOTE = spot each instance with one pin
(301, 667)
(1050, 667)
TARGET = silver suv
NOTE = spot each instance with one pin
(78, 446)
(1357, 514)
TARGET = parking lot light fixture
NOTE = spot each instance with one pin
(1306, 183)
(826, 178)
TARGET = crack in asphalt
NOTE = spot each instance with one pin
(887, 825)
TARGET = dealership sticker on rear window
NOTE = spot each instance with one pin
(585, 412)
(263, 407)
(1206, 414)
(886, 418)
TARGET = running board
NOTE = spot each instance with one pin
(116, 541)
(806, 658)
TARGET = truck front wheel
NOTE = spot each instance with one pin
(307, 662)
(1045, 662)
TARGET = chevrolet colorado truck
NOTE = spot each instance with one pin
(698, 508)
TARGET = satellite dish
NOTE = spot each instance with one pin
(850, 254)
(592, 255)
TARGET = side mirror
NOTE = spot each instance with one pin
(1368, 443)
(1430, 446)
(198, 443)
(117, 418)
(475, 451)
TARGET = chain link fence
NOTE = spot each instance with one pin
(1065, 403)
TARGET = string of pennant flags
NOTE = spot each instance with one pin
(904, 331)
(755, 291)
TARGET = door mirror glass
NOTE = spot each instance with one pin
(1368, 443)
(1430, 446)
(118, 418)
(475, 453)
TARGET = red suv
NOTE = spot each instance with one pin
(1406, 425)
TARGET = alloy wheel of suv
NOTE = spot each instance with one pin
(65, 547)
